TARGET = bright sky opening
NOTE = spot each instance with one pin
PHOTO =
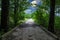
(33, 6)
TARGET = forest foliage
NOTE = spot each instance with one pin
(41, 15)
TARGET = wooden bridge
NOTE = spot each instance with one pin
(29, 32)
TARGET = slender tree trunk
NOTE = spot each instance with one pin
(52, 16)
(4, 15)
(15, 12)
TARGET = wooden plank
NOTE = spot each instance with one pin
(29, 33)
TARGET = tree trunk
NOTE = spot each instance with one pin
(4, 15)
(15, 12)
(52, 16)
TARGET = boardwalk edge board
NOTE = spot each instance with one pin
(49, 33)
(4, 35)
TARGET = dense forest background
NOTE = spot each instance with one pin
(16, 14)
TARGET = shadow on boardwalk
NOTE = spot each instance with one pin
(28, 32)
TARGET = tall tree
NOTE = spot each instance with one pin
(52, 16)
(20, 6)
(15, 11)
(4, 15)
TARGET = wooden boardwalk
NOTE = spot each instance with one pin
(28, 32)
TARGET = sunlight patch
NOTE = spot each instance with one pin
(29, 21)
(0, 8)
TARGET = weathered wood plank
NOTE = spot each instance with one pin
(29, 33)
